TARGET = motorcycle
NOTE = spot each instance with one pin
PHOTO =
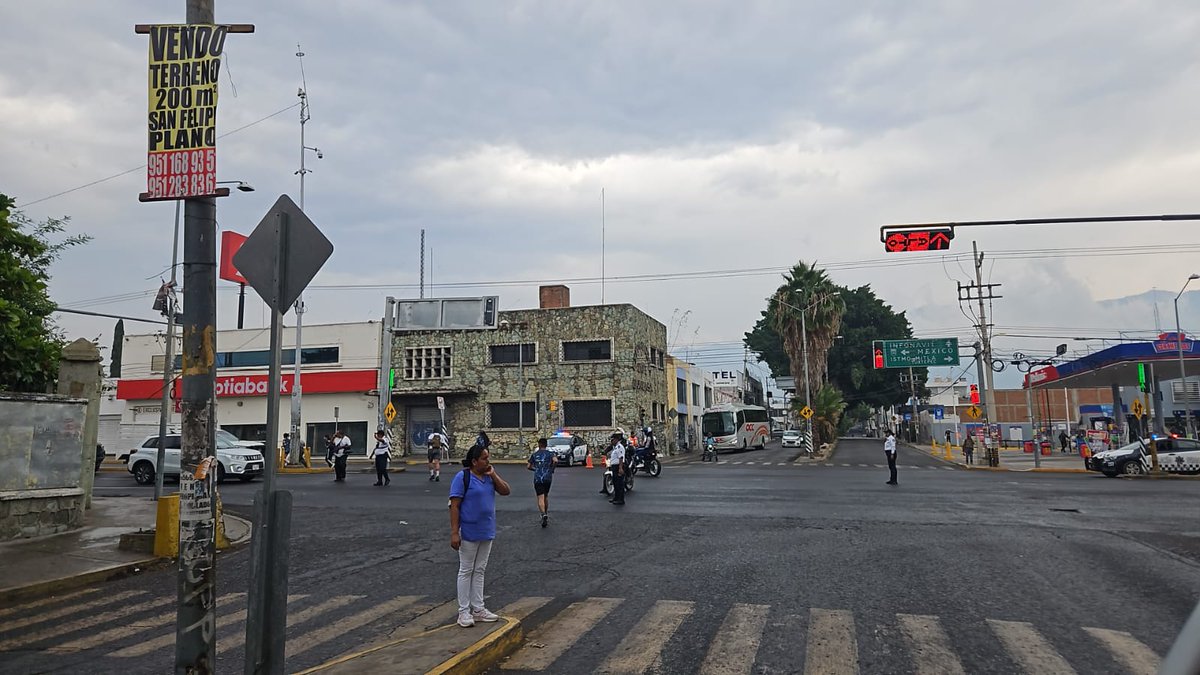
(608, 480)
(648, 463)
(710, 452)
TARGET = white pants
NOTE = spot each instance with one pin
(472, 561)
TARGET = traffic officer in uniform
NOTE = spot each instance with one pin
(616, 462)
(889, 449)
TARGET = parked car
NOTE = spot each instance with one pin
(232, 459)
(1175, 455)
(568, 449)
(777, 432)
(221, 434)
(791, 438)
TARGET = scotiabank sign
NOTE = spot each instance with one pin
(245, 386)
(1041, 375)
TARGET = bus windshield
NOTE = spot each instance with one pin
(718, 423)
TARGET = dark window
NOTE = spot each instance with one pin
(707, 397)
(589, 350)
(681, 390)
(501, 354)
(509, 415)
(755, 415)
(695, 394)
(591, 413)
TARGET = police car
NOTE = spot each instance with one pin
(1175, 455)
(568, 448)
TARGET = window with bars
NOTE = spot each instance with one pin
(587, 413)
(427, 363)
(587, 350)
(513, 354)
(1190, 394)
(656, 357)
(511, 415)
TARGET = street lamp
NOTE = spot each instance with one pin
(517, 326)
(1187, 410)
(804, 350)
(169, 356)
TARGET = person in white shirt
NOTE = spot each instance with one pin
(383, 453)
(341, 453)
(616, 462)
(437, 444)
(889, 449)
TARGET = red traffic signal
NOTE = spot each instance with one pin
(931, 239)
(974, 394)
(878, 358)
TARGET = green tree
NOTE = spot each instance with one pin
(828, 406)
(851, 366)
(31, 342)
(806, 314)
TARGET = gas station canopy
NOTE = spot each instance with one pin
(1117, 365)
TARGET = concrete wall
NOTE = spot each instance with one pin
(41, 458)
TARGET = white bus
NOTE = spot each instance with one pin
(736, 426)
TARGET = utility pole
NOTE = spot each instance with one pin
(298, 439)
(385, 372)
(979, 292)
(422, 277)
(168, 363)
(195, 639)
(916, 422)
(808, 435)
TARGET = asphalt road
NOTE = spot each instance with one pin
(799, 566)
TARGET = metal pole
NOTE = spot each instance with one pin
(297, 389)
(258, 620)
(195, 628)
(1184, 657)
(385, 370)
(168, 365)
(807, 388)
(241, 305)
(916, 422)
(985, 385)
(1187, 403)
(521, 398)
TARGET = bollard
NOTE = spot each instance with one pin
(307, 457)
(166, 527)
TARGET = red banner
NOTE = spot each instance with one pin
(244, 386)
(230, 243)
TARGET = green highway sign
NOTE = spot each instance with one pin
(918, 353)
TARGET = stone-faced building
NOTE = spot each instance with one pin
(584, 369)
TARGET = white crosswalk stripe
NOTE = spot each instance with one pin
(735, 645)
(87, 621)
(832, 645)
(655, 628)
(929, 645)
(163, 641)
(346, 624)
(25, 607)
(67, 611)
(1132, 653)
(129, 628)
(238, 638)
(558, 634)
(1026, 646)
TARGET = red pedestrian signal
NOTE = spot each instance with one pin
(932, 239)
(878, 358)
(974, 394)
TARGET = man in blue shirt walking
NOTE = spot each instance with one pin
(542, 463)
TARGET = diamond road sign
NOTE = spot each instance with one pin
(286, 237)
(919, 353)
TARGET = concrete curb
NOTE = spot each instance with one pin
(60, 584)
(480, 656)
(1160, 476)
(1030, 470)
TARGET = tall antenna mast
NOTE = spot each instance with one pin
(602, 235)
(422, 295)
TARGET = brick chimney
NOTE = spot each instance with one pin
(554, 297)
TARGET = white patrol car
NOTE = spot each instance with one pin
(567, 448)
(232, 460)
(1175, 455)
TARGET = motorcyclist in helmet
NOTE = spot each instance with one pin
(647, 449)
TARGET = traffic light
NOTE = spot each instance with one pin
(878, 358)
(1142, 377)
(553, 406)
(392, 379)
(974, 394)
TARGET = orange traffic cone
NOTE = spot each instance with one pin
(588, 464)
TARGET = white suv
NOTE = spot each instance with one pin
(232, 460)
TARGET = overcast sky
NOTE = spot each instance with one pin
(728, 137)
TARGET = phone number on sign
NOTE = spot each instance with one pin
(185, 173)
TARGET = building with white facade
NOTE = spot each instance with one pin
(339, 383)
(689, 391)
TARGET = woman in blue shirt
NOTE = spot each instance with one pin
(472, 530)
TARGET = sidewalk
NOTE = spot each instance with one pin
(53, 563)
(1011, 459)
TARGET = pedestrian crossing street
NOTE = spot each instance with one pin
(566, 635)
(863, 465)
(733, 643)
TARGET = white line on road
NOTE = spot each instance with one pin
(1132, 653)
(164, 641)
(303, 643)
(64, 611)
(735, 645)
(128, 629)
(832, 645)
(929, 645)
(93, 620)
(238, 639)
(1029, 649)
(558, 634)
(636, 653)
(47, 601)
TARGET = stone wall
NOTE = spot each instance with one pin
(32, 513)
(635, 385)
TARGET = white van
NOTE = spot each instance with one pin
(232, 460)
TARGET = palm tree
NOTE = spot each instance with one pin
(828, 407)
(809, 290)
